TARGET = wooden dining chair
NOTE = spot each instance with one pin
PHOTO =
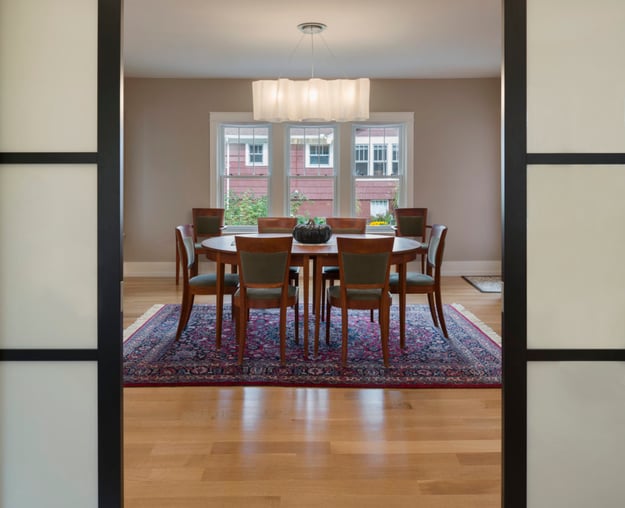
(205, 284)
(428, 283)
(207, 222)
(345, 226)
(364, 267)
(412, 222)
(264, 284)
(279, 225)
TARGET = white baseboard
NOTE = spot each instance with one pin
(450, 268)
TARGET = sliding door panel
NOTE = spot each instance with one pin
(575, 411)
(48, 415)
(48, 254)
(575, 257)
(575, 76)
(48, 75)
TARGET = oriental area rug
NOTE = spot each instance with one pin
(471, 357)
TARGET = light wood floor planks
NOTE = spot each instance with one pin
(254, 447)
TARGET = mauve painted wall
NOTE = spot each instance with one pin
(456, 156)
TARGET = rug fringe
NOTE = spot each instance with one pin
(487, 330)
(141, 320)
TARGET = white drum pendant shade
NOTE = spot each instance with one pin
(313, 100)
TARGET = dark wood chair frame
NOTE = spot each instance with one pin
(280, 225)
(197, 213)
(436, 250)
(205, 284)
(289, 295)
(346, 301)
(421, 234)
(339, 225)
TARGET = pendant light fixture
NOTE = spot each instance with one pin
(312, 100)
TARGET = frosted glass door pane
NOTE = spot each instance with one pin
(48, 256)
(575, 434)
(575, 257)
(48, 75)
(575, 76)
(48, 434)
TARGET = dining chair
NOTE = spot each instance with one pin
(264, 284)
(283, 225)
(207, 222)
(428, 283)
(205, 284)
(339, 225)
(412, 222)
(364, 267)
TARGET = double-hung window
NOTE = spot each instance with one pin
(361, 169)
(310, 170)
(377, 182)
(244, 172)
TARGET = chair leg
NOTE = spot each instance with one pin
(328, 315)
(384, 311)
(344, 333)
(323, 298)
(282, 335)
(296, 320)
(242, 329)
(185, 312)
(441, 315)
(432, 309)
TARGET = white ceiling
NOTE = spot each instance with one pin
(366, 38)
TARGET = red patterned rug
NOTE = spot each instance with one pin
(470, 358)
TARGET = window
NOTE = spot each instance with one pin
(379, 160)
(377, 183)
(244, 172)
(318, 155)
(361, 159)
(359, 169)
(256, 154)
(311, 184)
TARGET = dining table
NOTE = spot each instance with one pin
(222, 250)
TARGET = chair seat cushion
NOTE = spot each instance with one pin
(266, 293)
(355, 294)
(210, 280)
(412, 279)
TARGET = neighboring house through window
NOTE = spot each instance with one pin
(361, 169)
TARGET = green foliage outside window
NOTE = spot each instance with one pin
(243, 209)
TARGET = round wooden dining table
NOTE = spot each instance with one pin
(222, 250)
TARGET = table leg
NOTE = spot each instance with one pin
(221, 268)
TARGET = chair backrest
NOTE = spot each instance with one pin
(264, 262)
(347, 225)
(276, 224)
(185, 244)
(436, 249)
(364, 263)
(411, 221)
(207, 222)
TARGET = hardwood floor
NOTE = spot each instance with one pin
(304, 447)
